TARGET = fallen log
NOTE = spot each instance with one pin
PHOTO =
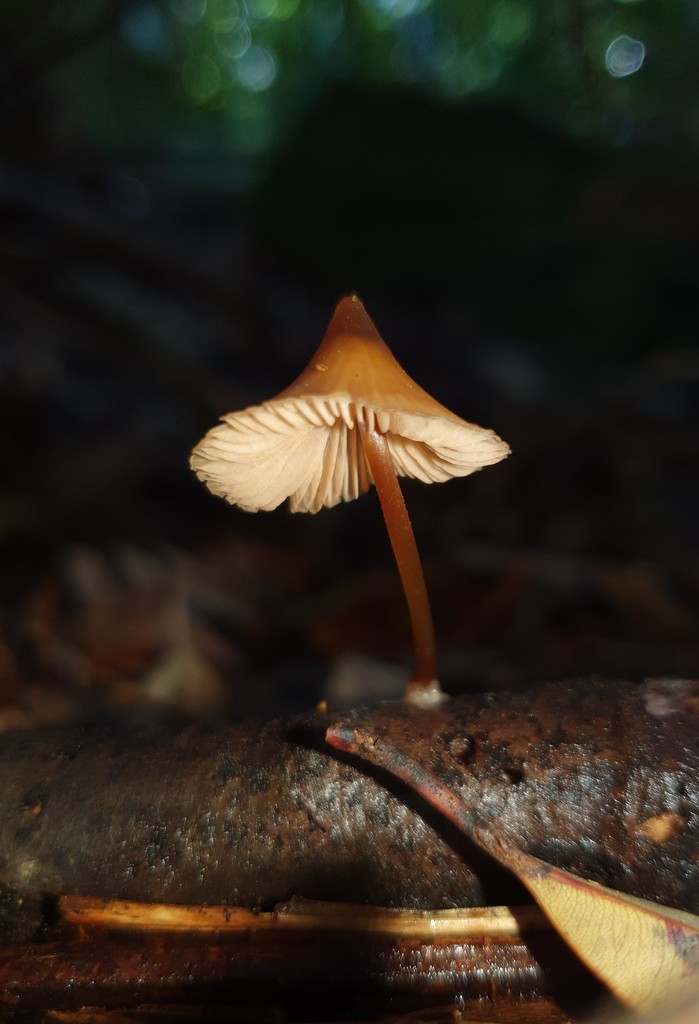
(318, 954)
(601, 779)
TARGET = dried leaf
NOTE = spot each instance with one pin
(644, 952)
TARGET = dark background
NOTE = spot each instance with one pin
(187, 188)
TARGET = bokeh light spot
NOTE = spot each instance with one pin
(412, 57)
(257, 69)
(476, 71)
(400, 8)
(146, 32)
(201, 78)
(511, 23)
(234, 44)
(189, 12)
(624, 56)
(275, 10)
(286, 9)
(327, 20)
(223, 15)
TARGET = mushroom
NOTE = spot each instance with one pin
(352, 418)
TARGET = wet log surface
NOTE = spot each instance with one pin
(333, 968)
(599, 778)
(307, 960)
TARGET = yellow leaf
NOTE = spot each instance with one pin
(646, 953)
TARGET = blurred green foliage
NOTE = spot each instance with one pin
(533, 160)
(238, 74)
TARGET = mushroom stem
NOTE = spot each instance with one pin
(423, 687)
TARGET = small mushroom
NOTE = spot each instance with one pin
(352, 418)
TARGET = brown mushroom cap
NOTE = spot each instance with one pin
(303, 444)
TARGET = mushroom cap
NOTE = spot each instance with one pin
(303, 444)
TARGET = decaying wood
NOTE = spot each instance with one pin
(81, 915)
(111, 953)
(510, 1012)
(601, 779)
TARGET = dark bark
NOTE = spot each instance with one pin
(313, 960)
(319, 967)
(602, 779)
